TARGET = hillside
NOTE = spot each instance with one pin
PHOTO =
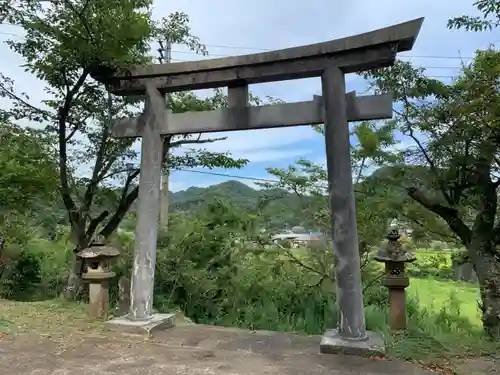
(233, 191)
(284, 208)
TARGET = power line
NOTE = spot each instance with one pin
(228, 175)
(210, 54)
(220, 55)
(424, 67)
(269, 49)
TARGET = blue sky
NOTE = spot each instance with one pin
(235, 27)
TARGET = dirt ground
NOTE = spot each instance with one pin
(187, 350)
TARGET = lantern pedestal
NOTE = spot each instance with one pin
(397, 300)
(98, 298)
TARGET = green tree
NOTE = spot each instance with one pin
(455, 130)
(28, 169)
(374, 148)
(488, 20)
(64, 43)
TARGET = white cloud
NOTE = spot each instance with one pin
(271, 155)
(260, 145)
(276, 24)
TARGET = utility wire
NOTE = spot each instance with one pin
(268, 49)
(261, 49)
(229, 175)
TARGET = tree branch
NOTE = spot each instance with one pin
(195, 141)
(62, 116)
(126, 201)
(449, 214)
(98, 166)
(120, 212)
(424, 152)
(305, 266)
(94, 223)
(81, 17)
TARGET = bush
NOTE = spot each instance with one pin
(204, 269)
(434, 265)
(20, 274)
(31, 267)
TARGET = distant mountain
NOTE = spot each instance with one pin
(285, 208)
(236, 192)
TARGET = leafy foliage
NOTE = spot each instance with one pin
(489, 19)
(67, 41)
(454, 129)
(29, 169)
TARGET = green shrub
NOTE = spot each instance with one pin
(203, 269)
(435, 265)
(20, 275)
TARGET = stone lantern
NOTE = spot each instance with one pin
(395, 255)
(97, 273)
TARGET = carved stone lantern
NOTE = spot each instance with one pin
(395, 255)
(97, 273)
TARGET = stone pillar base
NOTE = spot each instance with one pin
(157, 322)
(332, 343)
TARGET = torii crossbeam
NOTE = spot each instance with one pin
(260, 117)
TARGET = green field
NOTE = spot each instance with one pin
(457, 297)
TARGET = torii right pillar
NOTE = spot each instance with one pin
(350, 336)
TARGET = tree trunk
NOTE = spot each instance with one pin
(74, 285)
(487, 268)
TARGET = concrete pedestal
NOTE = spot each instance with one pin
(397, 308)
(333, 343)
(98, 299)
(157, 322)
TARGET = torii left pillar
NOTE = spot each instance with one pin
(350, 335)
(141, 317)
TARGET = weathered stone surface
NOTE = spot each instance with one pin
(188, 350)
(99, 251)
(333, 343)
(98, 300)
(359, 108)
(148, 207)
(354, 53)
(123, 296)
(156, 322)
(351, 321)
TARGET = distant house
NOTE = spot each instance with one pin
(298, 239)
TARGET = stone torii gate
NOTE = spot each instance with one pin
(331, 60)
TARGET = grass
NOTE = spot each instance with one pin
(51, 317)
(437, 337)
(436, 295)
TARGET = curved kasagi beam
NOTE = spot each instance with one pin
(355, 53)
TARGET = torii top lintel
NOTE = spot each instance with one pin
(356, 53)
